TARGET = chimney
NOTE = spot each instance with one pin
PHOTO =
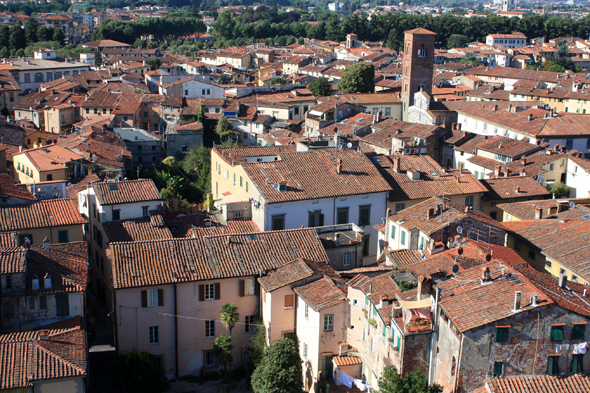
(370, 289)
(337, 239)
(563, 281)
(454, 126)
(523, 161)
(517, 296)
(497, 171)
(396, 162)
(438, 293)
(522, 172)
(429, 214)
(518, 189)
(485, 274)
(338, 165)
(228, 240)
(46, 243)
(534, 301)
(460, 167)
(510, 108)
(530, 117)
(422, 292)
(388, 212)
(43, 335)
(539, 213)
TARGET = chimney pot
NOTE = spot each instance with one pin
(46, 243)
(539, 213)
(517, 296)
(396, 164)
(534, 301)
(337, 239)
(43, 335)
(370, 289)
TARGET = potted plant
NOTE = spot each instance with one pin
(372, 322)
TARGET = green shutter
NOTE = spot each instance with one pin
(393, 231)
(403, 238)
(375, 312)
(501, 335)
(498, 369)
(366, 303)
(552, 365)
(556, 333)
(578, 332)
(62, 305)
(577, 363)
(384, 327)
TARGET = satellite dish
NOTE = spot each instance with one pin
(386, 244)
(276, 186)
(459, 229)
(349, 145)
(460, 251)
(407, 316)
(572, 204)
(455, 268)
(488, 257)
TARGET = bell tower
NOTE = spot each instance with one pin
(418, 65)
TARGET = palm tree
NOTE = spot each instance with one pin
(229, 316)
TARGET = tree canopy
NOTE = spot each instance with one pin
(360, 77)
(140, 373)
(320, 87)
(415, 382)
(280, 369)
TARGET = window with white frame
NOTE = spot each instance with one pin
(209, 291)
(154, 335)
(328, 322)
(210, 328)
(306, 311)
(152, 295)
(346, 257)
(355, 302)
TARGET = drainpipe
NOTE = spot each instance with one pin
(456, 383)
(176, 328)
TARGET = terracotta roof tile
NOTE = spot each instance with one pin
(27, 358)
(157, 262)
(126, 191)
(348, 360)
(357, 176)
(285, 275)
(50, 158)
(513, 187)
(42, 214)
(469, 303)
(552, 208)
(540, 383)
(320, 294)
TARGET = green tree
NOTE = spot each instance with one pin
(4, 36)
(560, 190)
(140, 373)
(414, 382)
(280, 369)
(457, 41)
(224, 128)
(360, 77)
(4, 52)
(224, 26)
(44, 34)
(31, 31)
(198, 163)
(229, 316)
(222, 348)
(139, 43)
(152, 45)
(58, 35)
(278, 81)
(17, 37)
(555, 68)
(320, 87)
(154, 64)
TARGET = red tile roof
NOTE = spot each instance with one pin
(8, 239)
(42, 214)
(540, 383)
(320, 294)
(126, 191)
(50, 158)
(357, 176)
(552, 208)
(27, 358)
(285, 275)
(513, 187)
(157, 262)
(11, 188)
(348, 360)
(470, 303)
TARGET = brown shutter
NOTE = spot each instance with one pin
(256, 288)
(242, 289)
(160, 297)
(288, 301)
(217, 291)
(143, 298)
(201, 292)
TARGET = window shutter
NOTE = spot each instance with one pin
(143, 298)
(257, 288)
(201, 292)
(160, 297)
(217, 291)
(288, 301)
(241, 282)
(321, 220)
